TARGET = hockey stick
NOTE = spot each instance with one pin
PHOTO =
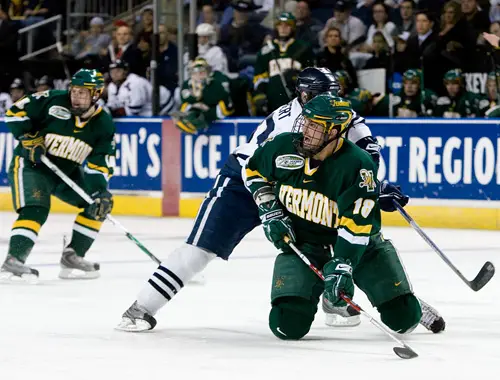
(482, 278)
(283, 81)
(77, 189)
(405, 352)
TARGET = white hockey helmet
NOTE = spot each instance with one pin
(205, 30)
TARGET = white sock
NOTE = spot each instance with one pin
(169, 278)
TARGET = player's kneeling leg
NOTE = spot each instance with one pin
(294, 297)
(401, 314)
(291, 317)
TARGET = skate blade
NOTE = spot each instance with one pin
(128, 325)
(335, 320)
(10, 278)
(78, 274)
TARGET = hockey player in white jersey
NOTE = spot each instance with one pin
(131, 95)
(207, 49)
(228, 213)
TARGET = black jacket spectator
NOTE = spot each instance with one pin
(455, 28)
(125, 50)
(308, 28)
(240, 38)
(422, 51)
(168, 62)
(332, 56)
(479, 21)
(8, 47)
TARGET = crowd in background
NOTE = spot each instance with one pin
(434, 58)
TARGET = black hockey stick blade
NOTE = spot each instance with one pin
(483, 277)
(405, 352)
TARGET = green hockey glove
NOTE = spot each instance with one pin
(33, 147)
(338, 279)
(102, 206)
(276, 224)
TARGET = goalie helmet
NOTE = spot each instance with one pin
(92, 80)
(313, 81)
(199, 72)
(324, 119)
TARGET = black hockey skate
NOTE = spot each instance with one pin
(431, 319)
(136, 319)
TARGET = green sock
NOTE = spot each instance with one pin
(85, 231)
(25, 231)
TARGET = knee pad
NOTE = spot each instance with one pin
(35, 213)
(291, 317)
(401, 314)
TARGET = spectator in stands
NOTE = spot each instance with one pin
(168, 62)
(381, 24)
(381, 53)
(400, 58)
(208, 16)
(92, 41)
(423, 53)
(332, 57)
(8, 47)
(477, 19)
(125, 50)
(144, 30)
(241, 37)
(352, 28)
(307, 27)
(17, 90)
(207, 49)
(495, 11)
(407, 13)
(456, 35)
(45, 83)
(29, 12)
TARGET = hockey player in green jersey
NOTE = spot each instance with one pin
(413, 101)
(361, 99)
(458, 102)
(205, 98)
(78, 137)
(277, 62)
(321, 191)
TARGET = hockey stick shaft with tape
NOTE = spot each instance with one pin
(77, 189)
(405, 352)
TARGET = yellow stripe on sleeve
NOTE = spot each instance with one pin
(16, 114)
(17, 201)
(353, 227)
(253, 173)
(224, 109)
(101, 169)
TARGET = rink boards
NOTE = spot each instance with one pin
(450, 168)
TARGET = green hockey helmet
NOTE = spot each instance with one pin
(412, 75)
(287, 18)
(92, 80)
(320, 116)
(494, 76)
(453, 76)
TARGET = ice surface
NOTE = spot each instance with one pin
(64, 329)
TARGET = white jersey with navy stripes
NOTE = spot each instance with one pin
(282, 120)
(135, 96)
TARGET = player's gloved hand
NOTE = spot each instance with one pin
(276, 224)
(390, 193)
(260, 103)
(338, 279)
(33, 147)
(102, 206)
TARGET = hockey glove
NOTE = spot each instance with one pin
(102, 206)
(276, 224)
(390, 193)
(33, 147)
(260, 103)
(338, 279)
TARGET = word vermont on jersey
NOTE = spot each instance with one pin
(67, 147)
(310, 205)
